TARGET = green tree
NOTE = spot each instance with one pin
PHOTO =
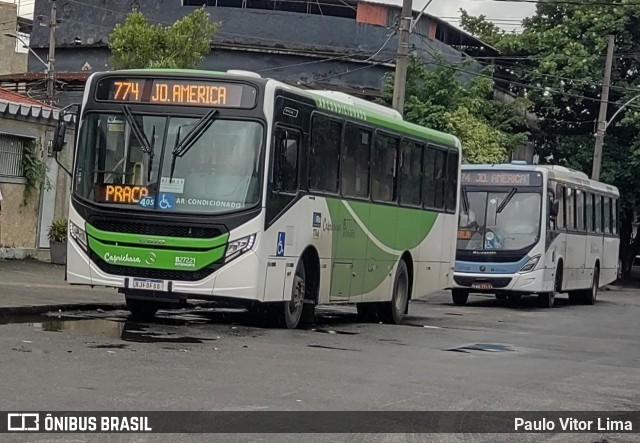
(558, 60)
(136, 43)
(438, 99)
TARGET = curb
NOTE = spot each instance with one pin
(42, 309)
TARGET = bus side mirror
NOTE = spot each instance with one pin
(555, 208)
(59, 136)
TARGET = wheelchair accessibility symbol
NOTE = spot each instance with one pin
(280, 246)
(166, 201)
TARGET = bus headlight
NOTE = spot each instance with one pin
(78, 234)
(530, 265)
(239, 247)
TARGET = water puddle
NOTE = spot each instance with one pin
(114, 329)
(483, 347)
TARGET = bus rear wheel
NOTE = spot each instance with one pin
(142, 310)
(393, 311)
(590, 296)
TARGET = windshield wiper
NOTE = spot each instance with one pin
(137, 132)
(465, 201)
(506, 201)
(182, 146)
(152, 149)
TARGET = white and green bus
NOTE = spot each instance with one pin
(228, 186)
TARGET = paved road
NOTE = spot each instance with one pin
(567, 358)
(29, 284)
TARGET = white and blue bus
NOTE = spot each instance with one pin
(526, 229)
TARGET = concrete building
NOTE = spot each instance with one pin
(27, 124)
(13, 54)
(347, 45)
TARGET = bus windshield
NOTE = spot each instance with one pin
(508, 220)
(126, 161)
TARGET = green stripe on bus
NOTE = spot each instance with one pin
(155, 258)
(157, 240)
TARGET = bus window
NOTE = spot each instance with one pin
(452, 181)
(589, 208)
(598, 209)
(560, 223)
(607, 216)
(614, 215)
(411, 173)
(579, 210)
(285, 162)
(355, 161)
(324, 154)
(383, 168)
(570, 206)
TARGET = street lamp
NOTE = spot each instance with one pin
(48, 67)
(26, 45)
(620, 110)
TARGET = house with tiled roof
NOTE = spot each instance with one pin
(34, 188)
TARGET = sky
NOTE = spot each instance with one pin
(507, 14)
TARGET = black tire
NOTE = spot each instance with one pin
(459, 296)
(393, 311)
(367, 312)
(501, 296)
(590, 296)
(576, 297)
(546, 299)
(142, 310)
(514, 297)
(291, 310)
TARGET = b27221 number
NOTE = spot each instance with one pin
(185, 262)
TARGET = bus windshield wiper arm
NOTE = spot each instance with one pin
(182, 146)
(137, 132)
(506, 201)
(465, 201)
(152, 149)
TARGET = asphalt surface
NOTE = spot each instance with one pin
(567, 358)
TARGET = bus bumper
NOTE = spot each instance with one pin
(529, 283)
(222, 284)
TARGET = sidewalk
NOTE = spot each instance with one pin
(33, 287)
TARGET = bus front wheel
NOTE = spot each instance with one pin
(291, 310)
(393, 311)
(459, 296)
(141, 310)
(546, 299)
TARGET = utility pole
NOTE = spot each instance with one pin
(602, 118)
(402, 57)
(51, 62)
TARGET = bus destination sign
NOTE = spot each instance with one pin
(121, 194)
(501, 178)
(176, 92)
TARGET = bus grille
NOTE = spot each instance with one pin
(496, 282)
(159, 274)
(163, 230)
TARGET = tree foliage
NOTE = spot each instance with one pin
(136, 43)
(438, 99)
(560, 57)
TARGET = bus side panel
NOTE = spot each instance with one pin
(431, 252)
(450, 228)
(381, 252)
(574, 261)
(609, 269)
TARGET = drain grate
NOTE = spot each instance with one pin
(484, 347)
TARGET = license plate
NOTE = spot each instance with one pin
(147, 284)
(483, 285)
